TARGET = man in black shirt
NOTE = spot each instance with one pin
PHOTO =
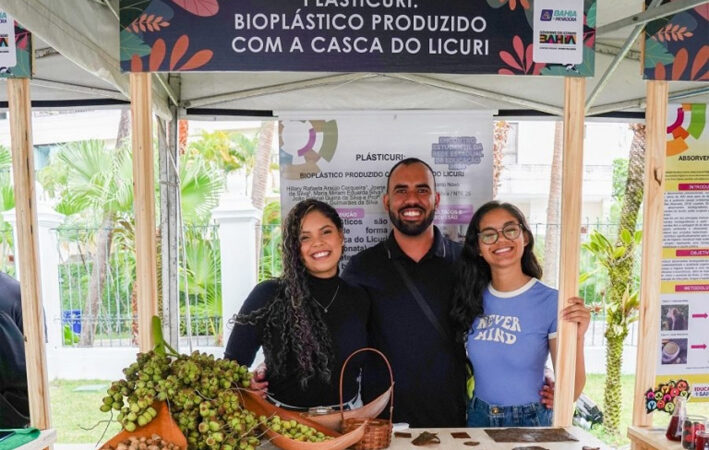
(415, 334)
(14, 405)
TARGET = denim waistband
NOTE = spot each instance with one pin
(497, 409)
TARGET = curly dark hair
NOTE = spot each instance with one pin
(473, 272)
(294, 328)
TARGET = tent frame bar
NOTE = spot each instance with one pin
(276, 89)
(61, 85)
(649, 15)
(463, 89)
(618, 59)
(641, 102)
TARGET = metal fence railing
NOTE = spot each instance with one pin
(107, 318)
(113, 318)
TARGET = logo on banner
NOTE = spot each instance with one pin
(546, 15)
(304, 144)
(4, 41)
(564, 15)
(560, 38)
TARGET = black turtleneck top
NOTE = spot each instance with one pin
(346, 318)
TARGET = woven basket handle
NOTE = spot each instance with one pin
(391, 379)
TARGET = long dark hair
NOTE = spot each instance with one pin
(294, 328)
(473, 272)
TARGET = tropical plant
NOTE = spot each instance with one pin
(7, 202)
(229, 150)
(270, 263)
(620, 302)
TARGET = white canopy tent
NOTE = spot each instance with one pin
(86, 67)
(76, 49)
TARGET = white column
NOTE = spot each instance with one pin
(237, 220)
(48, 220)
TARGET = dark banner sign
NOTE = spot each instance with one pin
(423, 36)
(677, 47)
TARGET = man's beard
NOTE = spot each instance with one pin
(412, 229)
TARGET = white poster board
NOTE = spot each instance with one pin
(558, 31)
(343, 158)
(8, 52)
(684, 310)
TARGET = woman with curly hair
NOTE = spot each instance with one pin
(308, 320)
(507, 320)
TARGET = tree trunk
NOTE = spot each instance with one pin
(621, 277)
(260, 175)
(612, 393)
(89, 316)
(551, 237)
(500, 133)
(262, 163)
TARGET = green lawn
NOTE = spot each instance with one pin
(75, 405)
(74, 409)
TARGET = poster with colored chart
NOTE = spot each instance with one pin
(344, 159)
(684, 312)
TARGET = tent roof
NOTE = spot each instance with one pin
(86, 68)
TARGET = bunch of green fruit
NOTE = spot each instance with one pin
(293, 429)
(202, 393)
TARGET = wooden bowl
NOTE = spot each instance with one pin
(162, 425)
(369, 411)
(260, 406)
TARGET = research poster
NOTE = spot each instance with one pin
(684, 312)
(344, 159)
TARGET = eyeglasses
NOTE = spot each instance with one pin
(490, 235)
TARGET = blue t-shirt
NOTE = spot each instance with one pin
(509, 344)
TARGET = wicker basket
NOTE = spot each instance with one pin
(377, 432)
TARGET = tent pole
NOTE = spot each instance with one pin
(650, 275)
(144, 205)
(571, 183)
(18, 93)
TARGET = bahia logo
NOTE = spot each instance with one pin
(546, 15)
(4, 41)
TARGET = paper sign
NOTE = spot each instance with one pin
(8, 53)
(558, 31)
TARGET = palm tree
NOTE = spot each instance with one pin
(93, 183)
(618, 259)
(551, 236)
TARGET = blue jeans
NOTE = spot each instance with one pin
(482, 414)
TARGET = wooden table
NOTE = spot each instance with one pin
(642, 438)
(479, 435)
(46, 439)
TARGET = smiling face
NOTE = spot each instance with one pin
(504, 253)
(320, 244)
(411, 199)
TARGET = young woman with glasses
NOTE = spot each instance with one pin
(507, 319)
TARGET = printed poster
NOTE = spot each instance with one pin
(684, 298)
(344, 159)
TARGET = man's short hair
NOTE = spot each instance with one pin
(408, 162)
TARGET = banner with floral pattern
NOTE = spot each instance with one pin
(415, 36)
(677, 46)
